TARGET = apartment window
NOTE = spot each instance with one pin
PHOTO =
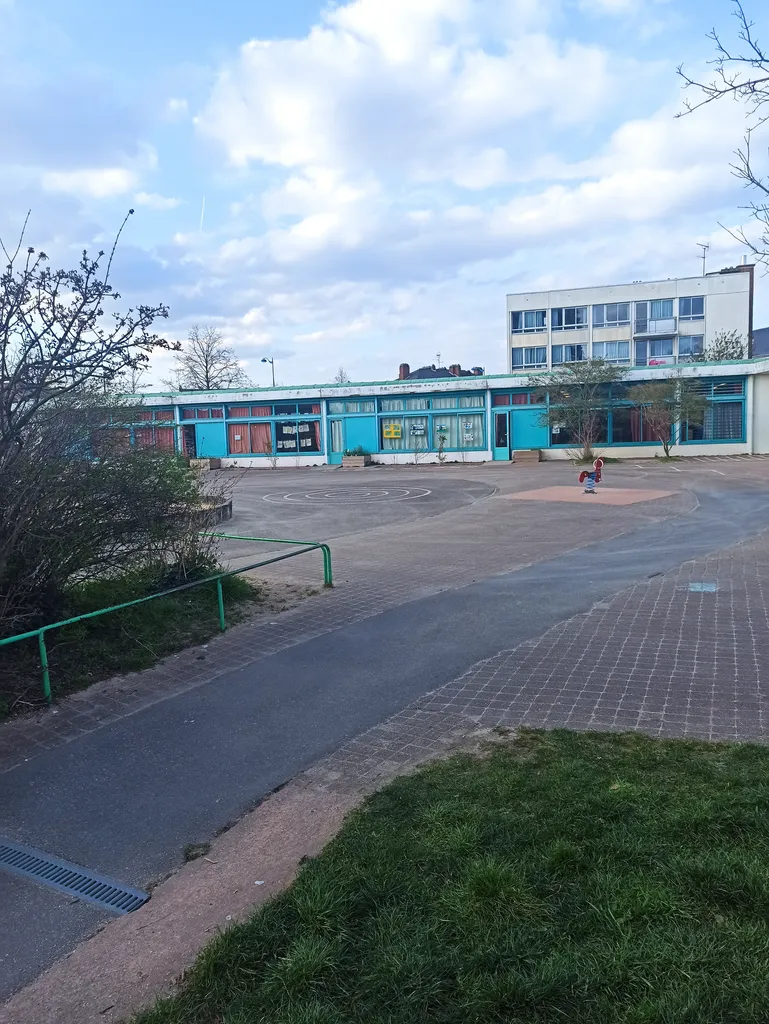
(658, 352)
(690, 346)
(611, 314)
(692, 307)
(569, 354)
(525, 320)
(612, 351)
(529, 358)
(569, 318)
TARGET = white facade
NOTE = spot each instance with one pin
(649, 323)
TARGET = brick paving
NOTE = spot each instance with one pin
(684, 655)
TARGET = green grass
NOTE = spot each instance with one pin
(123, 641)
(562, 878)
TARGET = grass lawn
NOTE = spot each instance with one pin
(561, 878)
(124, 641)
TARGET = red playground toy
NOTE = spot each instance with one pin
(591, 479)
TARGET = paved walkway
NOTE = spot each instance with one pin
(488, 615)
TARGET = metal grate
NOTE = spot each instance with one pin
(69, 878)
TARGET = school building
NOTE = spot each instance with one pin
(456, 415)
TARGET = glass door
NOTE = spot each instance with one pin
(502, 436)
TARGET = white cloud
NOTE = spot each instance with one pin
(407, 87)
(153, 201)
(95, 182)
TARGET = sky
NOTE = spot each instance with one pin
(361, 184)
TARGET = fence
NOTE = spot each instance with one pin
(306, 545)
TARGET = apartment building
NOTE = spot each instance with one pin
(646, 323)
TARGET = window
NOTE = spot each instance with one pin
(611, 314)
(569, 354)
(188, 414)
(721, 421)
(365, 406)
(335, 408)
(235, 412)
(527, 320)
(612, 351)
(728, 387)
(500, 399)
(164, 414)
(628, 426)
(309, 409)
(524, 358)
(658, 352)
(691, 308)
(446, 402)
(297, 438)
(285, 408)
(264, 410)
(416, 403)
(471, 401)
(570, 318)
(391, 404)
(690, 345)
(392, 434)
(561, 435)
(463, 431)
(647, 315)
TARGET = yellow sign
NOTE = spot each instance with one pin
(391, 430)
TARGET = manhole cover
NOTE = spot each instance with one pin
(348, 496)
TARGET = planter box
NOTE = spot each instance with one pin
(356, 461)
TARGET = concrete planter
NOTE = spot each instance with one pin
(355, 461)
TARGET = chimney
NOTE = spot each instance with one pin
(403, 371)
(456, 369)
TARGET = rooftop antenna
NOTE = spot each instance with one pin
(438, 359)
(704, 246)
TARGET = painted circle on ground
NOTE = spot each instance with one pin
(348, 496)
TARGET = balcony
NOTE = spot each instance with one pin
(648, 328)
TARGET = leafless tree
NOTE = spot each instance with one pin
(742, 74)
(56, 338)
(77, 500)
(725, 346)
(341, 376)
(205, 363)
(665, 403)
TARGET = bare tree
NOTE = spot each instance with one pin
(725, 346)
(131, 381)
(205, 363)
(55, 338)
(341, 376)
(577, 397)
(664, 403)
(742, 74)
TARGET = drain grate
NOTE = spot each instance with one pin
(69, 878)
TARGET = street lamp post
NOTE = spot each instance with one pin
(272, 364)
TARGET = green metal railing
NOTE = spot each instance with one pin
(306, 545)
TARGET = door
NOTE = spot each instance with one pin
(189, 444)
(502, 436)
(336, 441)
(527, 429)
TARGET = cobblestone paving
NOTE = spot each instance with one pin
(373, 571)
(685, 654)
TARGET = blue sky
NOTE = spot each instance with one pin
(377, 175)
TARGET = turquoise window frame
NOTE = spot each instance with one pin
(708, 389)
(245, 421)
(201, 419)
(432, 415)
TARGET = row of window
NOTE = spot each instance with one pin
(654, 352)
(720, 421)
(607, 314)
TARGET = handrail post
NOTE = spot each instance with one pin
(44, 666)
(328, 579)
(220, 600)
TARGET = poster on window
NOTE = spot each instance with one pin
(391, 430)
(417, 431)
